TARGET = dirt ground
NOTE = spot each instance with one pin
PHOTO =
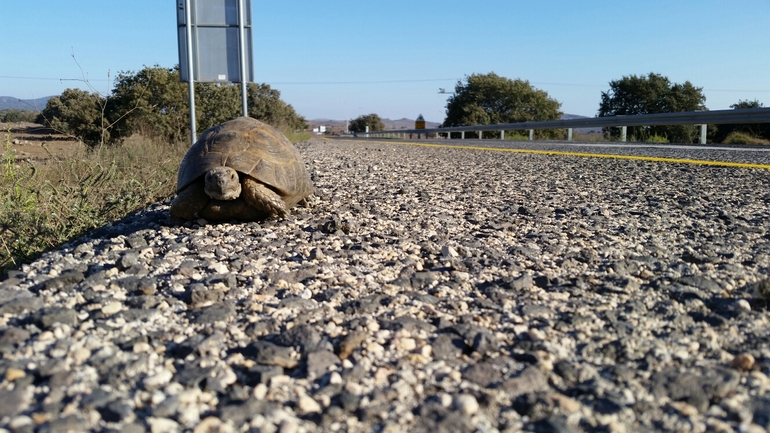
(30, 140)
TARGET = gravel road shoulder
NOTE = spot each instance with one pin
(420, 289)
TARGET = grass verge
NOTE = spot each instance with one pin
(47, 203)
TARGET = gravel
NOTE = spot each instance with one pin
(420, 289)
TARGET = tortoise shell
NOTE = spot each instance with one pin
(251, 148)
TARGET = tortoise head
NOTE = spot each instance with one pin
(222, 183)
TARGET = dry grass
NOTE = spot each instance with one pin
(737, 137)
(46, 202)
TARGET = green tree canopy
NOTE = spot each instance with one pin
(761, 130)
(78, 113)
(151, 102)
(485, 99)
(13, 115)
(373, 121)
(652, 94)
(154, 103)
(747, 104)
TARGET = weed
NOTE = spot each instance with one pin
(295, 136)
(47, 203)
(655, 138)
(512, 135)
(738, 137)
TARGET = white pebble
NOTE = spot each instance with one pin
(535, 334)
(157, 380)
(81, 355)
(335, 378)
(308, 405)
(112, 308)
(406, 344)
(162, 425)
(448, 251)
(219, 268)
(466, 404)
(213, 424)
(260, 391)
(288, 426)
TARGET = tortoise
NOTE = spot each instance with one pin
(242, 169)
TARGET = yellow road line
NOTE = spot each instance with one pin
(589, 155)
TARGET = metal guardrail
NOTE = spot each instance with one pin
(702, 118)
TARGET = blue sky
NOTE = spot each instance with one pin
(340, 59)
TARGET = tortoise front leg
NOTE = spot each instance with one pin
(263, 198)
(190, 201)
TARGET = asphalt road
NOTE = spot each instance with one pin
(688, 153)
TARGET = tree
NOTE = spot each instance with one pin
(373, 121)
(77, 113)
(486, 99)
(12, 115)
(652, 94)
(265, 104)
(753, 129)
(153, 102)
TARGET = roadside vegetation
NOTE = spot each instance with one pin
(11, 115)
(127, 150)
(738, 137)
(372, 121)
(484, 99)
(154, 103)
(46, 203)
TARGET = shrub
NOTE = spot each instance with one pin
(154, 103)
(77, 113)
(656, 139)
(738, 137)
(515, 135)
(12, 115)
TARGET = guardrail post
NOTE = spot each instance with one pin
(703, 133)
(462, 135)
(481, 135)
(502, 135)
(623, 130)
(531, 134)
(569, 134)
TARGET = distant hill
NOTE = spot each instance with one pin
(566, 116)
(9, 102)
(339, 125)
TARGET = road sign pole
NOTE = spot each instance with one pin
(242, 51)
(190, 73)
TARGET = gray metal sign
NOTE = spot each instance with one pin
(214, 46)
(215, 27)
